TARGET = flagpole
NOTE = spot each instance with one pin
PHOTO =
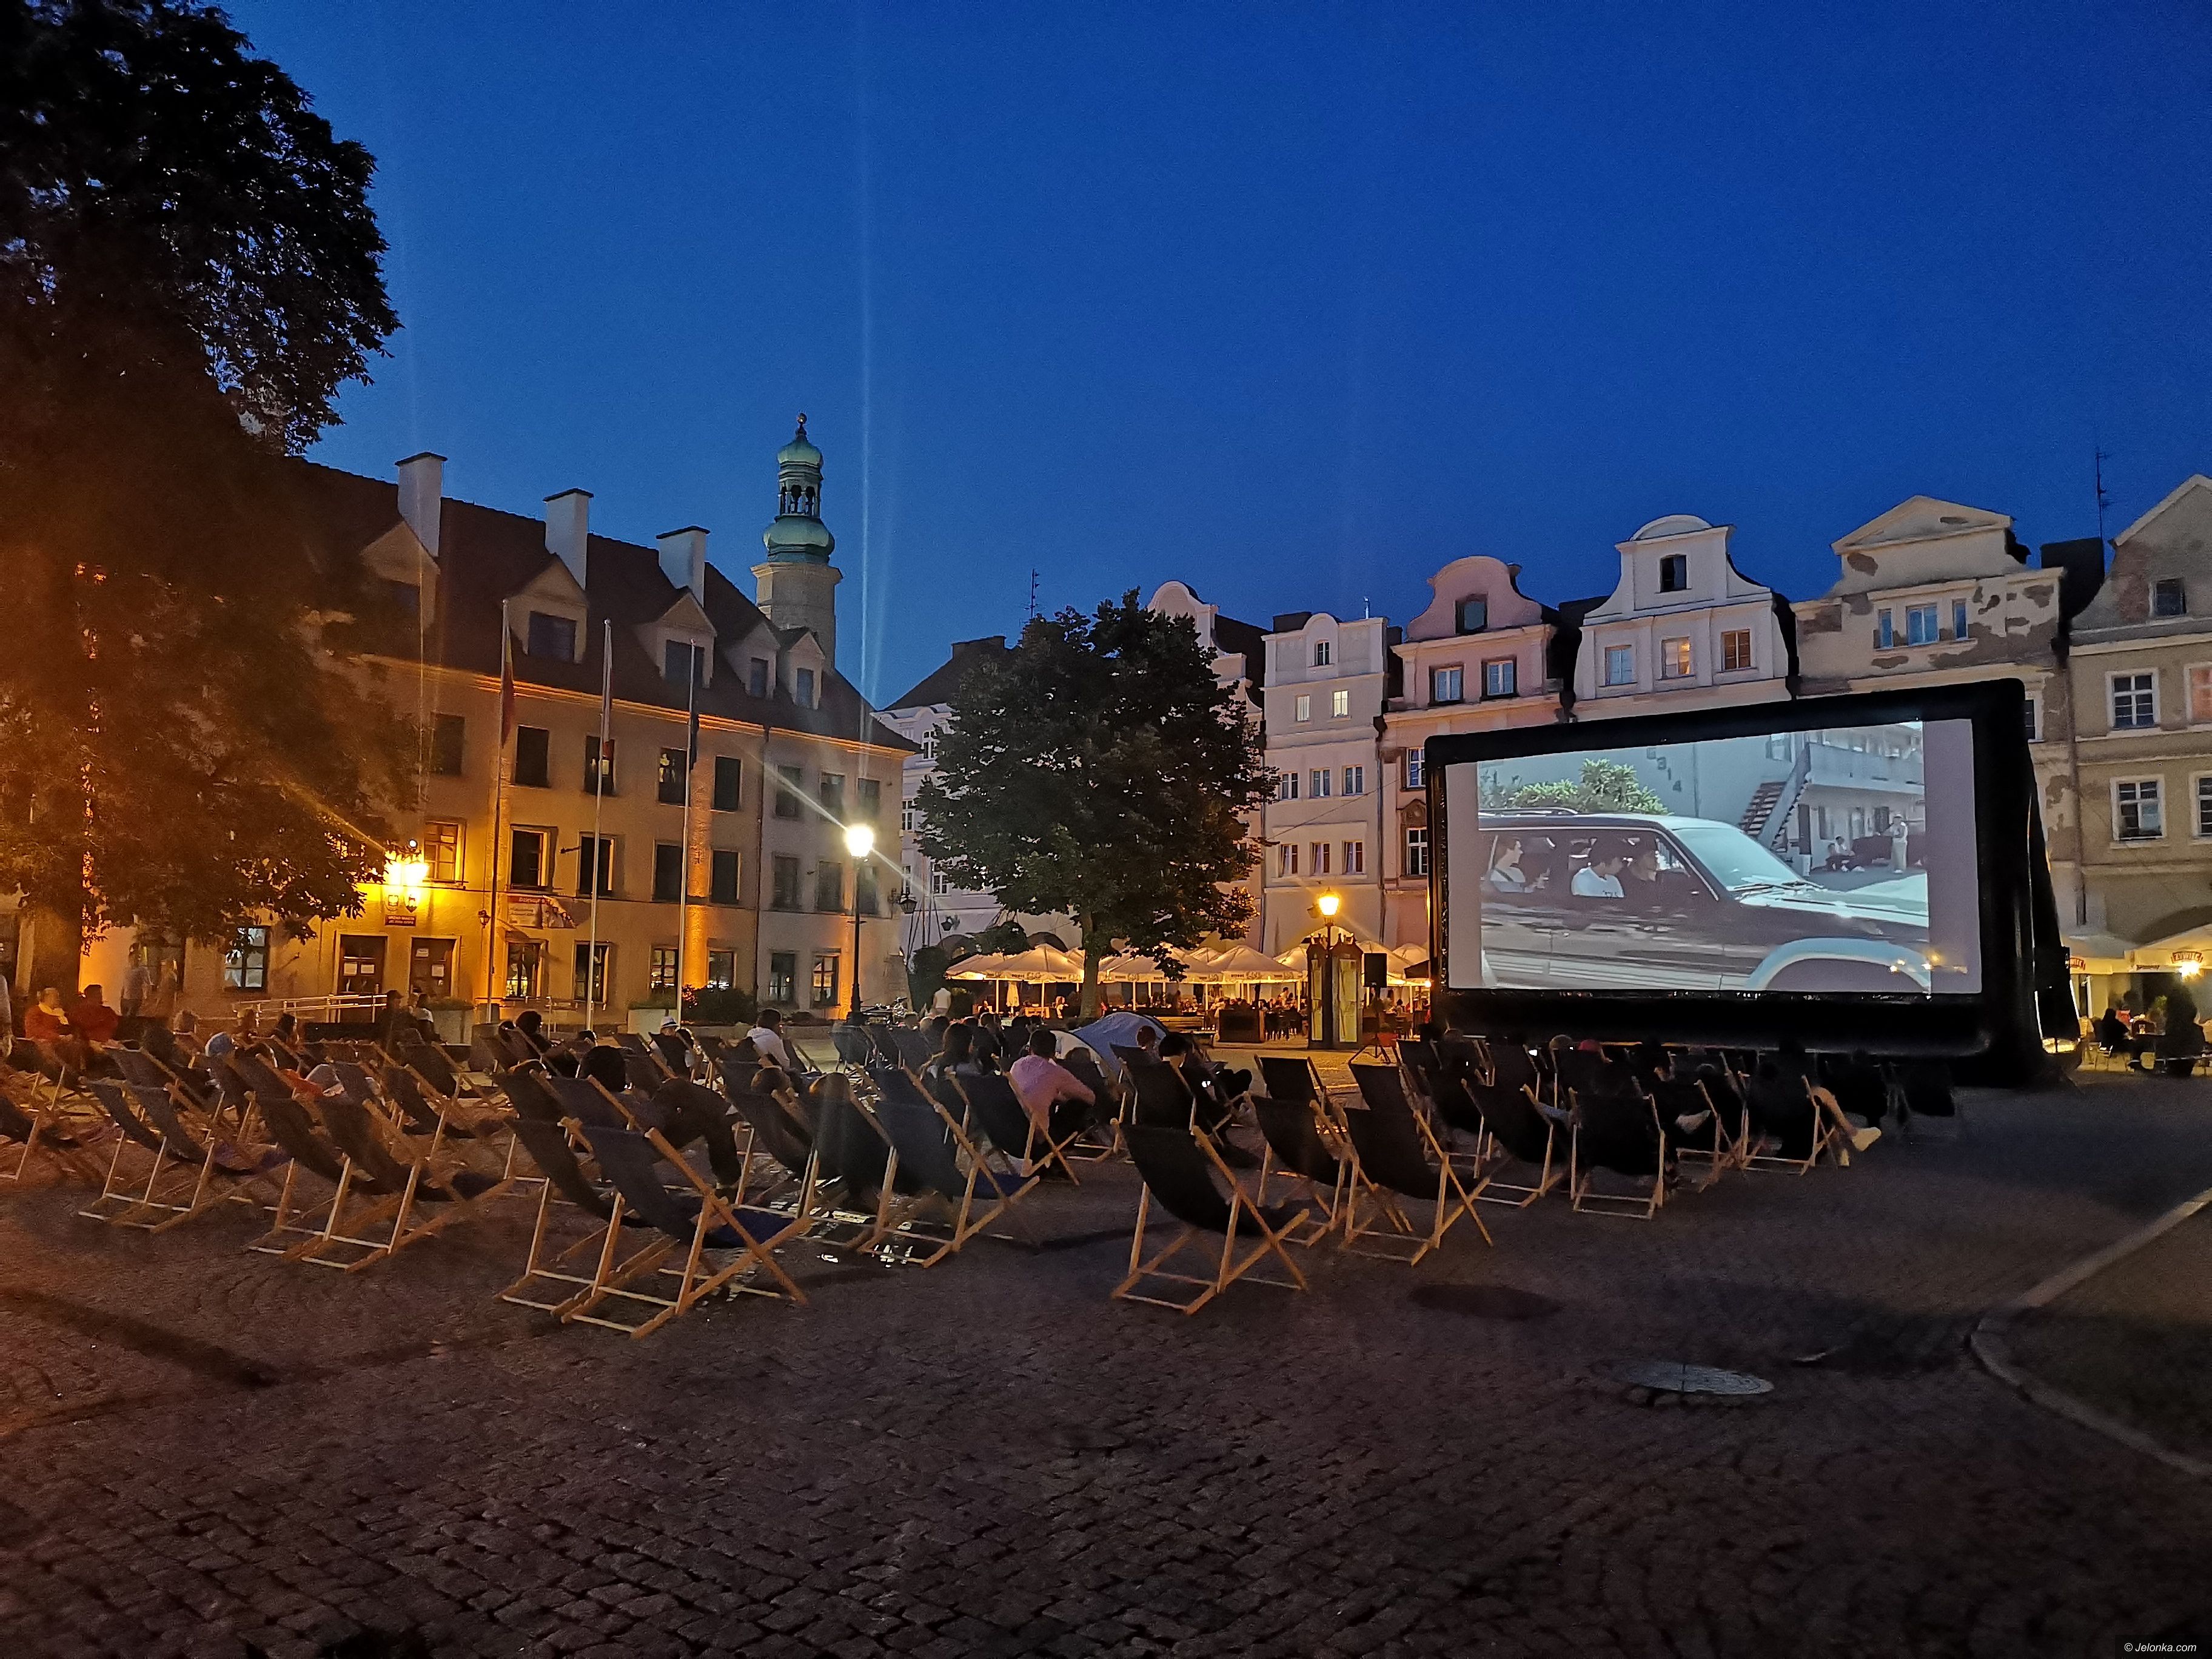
(684, 864)
(598, 796)
(492, 934)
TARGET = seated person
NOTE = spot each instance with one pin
(1601, 877)
(1213, 1091)
(2111, 1030)
(1058, 1102)
(1506, 875)
(767, 1038)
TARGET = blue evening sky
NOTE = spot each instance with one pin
(1296, 302)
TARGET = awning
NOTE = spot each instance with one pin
(2161, 953)
(1241, 965)
(2099, 952)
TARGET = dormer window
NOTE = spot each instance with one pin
(1474, 614)
(2169, 598)
(757, 677)
(552, 637)
(680, 660)
(1675, 573)
(1320, 654)
(803, 680)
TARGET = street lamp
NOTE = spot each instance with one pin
(860, 841)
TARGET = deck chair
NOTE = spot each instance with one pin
(883, 1040)
(313, 1161)
(770, 1128)
(644, 1072)
(691, 1218)
(995, 1111)
(1618, 1130)
(1083, 1060)
(1159, 1095)
(1451, 1104)
(1788, 1123)
(1926, 1091)
(856, 1049)
(434, 1193)
(1518, 1131)
(914, 1049)
(41, 1131)
(1711, 1141)
(145, 1070)
(674, 1052)
(1391, 1148)
(1294, 1148)
(563, 1189)
(141, 1198)
(852, 1149)
(929, 1143)
(1179, 1171)
(1293, 1078)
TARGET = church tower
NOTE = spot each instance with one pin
(796, 585)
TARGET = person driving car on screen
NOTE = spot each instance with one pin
(1601, 877)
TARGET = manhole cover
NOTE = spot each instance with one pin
(1671, 1376)
(1484, 1301)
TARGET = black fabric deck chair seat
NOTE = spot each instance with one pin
(1292, 1079)
(851, 1147)
(696, 1221)
(1455, 1107)
(675, 1053)
(1509, 1066)
(1617, 1129)
(310, 1155)
(1179, 1170)
(855, 1048)
(1788, 1133)
(772, 1129)
(1293, 1147)
(930, 1144)
(633, 1041)
(39, 1131)
(1164, 1098)
(914, 1049)
(996, 1112)
(1391, 1154)
(528, 1096)
(1707, 1137)
(140, 1198)
(421, 1182)
(644, 1072)
(1518, 1133)
(562, 1176)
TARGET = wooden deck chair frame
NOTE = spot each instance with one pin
(1227, 1268)
(1724, 1154)
(367, 1139)
(618, 1278)
(1320, 1221)
(556, 1198)
(966, 1223)
(170, 1112)
(1079, 1151)
(295, 1130)
(1039, 1151)
(1824, 1132)
(1551, 1170)
(1587, 1202)
(40, 1131)
(1386, 1232)
(142, 1200)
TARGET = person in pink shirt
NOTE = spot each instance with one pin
(1058, 1102)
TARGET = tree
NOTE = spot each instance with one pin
(1603, 786)
(189, 271)
(1100, 771)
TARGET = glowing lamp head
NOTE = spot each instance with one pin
(405, 870)
(2187, 964)
(859, 839)
(1329, 904)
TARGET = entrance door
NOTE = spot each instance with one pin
(430, 967)
(361, 970)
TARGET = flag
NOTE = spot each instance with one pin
(506, 678)
(691, 746)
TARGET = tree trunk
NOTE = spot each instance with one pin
(55, 955)
(1092, 955)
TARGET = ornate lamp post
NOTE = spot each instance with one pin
(860, 841)
(1321, 979)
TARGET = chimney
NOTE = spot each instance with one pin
(568, 527)
(684, 559)
(422, 489)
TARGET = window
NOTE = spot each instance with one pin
(1320, 653)
(245, 964)
(1340, 704)
(1286, 786)
(1417, 850)
(1674, 659)
(830, 886)
(2135, 813)
(757, 677)
(929, 746)
(721, 969)
(2135, 701)
(1885, 632)
(868, 807)
(1735, 650)
(1320, 851)
(681, 660)
(1620, 664)
(441, 849)
(824, 988)
(1286, 860)
(805, 682)
(591, 986)
(1673, 573)
(551, 636)
(832, 794)
(1304, 708)
(525, 860)
(1473, 615)
(598, 768)
(2032, 713)
(787, 792)
(1959, 619)
(782, 976)
(1320, 783)
(1414, 769)
(661, 975)
(867, 892)
(1355, 779)
(1355, 858)
(667, 873)
(1920, 625)
(531, 745)
(1501, 677)
(940, 883)
(2205, 805)
(909, 817)
(675, 777)
(722, 877)
(1445, 684)
(786, 882)
(2169, 597)
(525, 969)
(729, 782)
(599, 851)
(446, 733)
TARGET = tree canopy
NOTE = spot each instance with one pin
(1603, 786)
(1099, 770)
(189, 271)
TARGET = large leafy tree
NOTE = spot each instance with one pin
(189, 271)
(1603, 786)
(1100, 771)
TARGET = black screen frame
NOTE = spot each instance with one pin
(1999, 1024)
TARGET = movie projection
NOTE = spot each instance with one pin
(1835, 861)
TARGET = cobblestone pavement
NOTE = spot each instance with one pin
(2135, 1340)
(204, 1448)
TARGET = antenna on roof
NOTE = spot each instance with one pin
(2098, 458)
(1033, 590)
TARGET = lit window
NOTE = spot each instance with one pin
(1320, 783)
(1673, 573)
(2135, 701)
(1735, 650)
(1340, 704)
(825, 981)
(782, 976)
(1355, 779)
(1414, 769)
(1304, 708)
(721, 969)
(660, 975)
(525, 969)
(245, 964)
(675, 780)
(1500, 676)
(1355, 858)
(1445, 684)
(1417, 850)
(441, 850)
(2136, 812)
(551, 636)
(2169, 597)
(1473, 615)
(1674, 659)
(598, 765)
(2200, 694)
(1920, 625)
(1320, 653)
(1320, 858)
(1620, 664)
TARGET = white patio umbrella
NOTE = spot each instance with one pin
(1240, 965)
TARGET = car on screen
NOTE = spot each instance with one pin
(1648, 902)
